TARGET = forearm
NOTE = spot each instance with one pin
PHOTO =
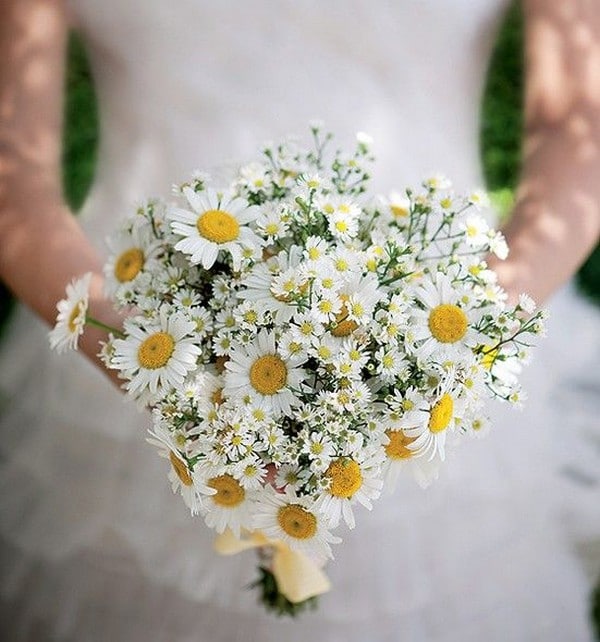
(556, 220)
(42, 247)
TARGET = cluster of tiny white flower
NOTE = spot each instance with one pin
(300, 344)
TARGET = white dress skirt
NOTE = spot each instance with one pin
(94, 545)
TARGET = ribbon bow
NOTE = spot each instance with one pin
(298, 577)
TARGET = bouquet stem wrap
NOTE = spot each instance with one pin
(298, 576)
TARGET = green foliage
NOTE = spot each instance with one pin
(588, 277)
(596, 610)
(502, 122)
(80, 136)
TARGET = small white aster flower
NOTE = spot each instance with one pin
(315, 248)
(498, 245)
(399, 206)
(437, 182)
(317, 445)
(290, 475)
(364, 139)
(476, 231)
(526, 303)
(251, 473)
(479, 198)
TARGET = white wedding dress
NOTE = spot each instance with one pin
(94, 545)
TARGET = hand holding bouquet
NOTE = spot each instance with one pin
(300, 342)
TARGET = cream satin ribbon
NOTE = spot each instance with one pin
(298, 577)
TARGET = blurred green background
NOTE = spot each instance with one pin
(500, 142)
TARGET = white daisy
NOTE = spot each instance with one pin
(72, 311)
(445, 324)
(350, 480)
(183, 479)
(261, 371)
(401, 458)
(294, 521)
(130, 252)
(291, 346)
(219, 221)
(257, 285)
(429, 438)
(156, 356)
(359, 295)
(231, 506)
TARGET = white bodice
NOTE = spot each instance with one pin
(198, 85)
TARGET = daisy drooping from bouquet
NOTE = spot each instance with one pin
(302, 343)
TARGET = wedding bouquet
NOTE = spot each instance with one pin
(300, 343)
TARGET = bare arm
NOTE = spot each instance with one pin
(41, 244)
(556, 222)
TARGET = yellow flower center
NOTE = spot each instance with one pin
(218, 226)
(268, 374)
(447, 323)
(398, 446)
(344, 326)
(296, 521)
(74, 314)
(181, 469)
(229, 491)
(156, 350)
(129, 264)
(346, 478)
(316, 448)
(441, 414)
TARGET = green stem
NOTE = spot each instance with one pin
(103, 326)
